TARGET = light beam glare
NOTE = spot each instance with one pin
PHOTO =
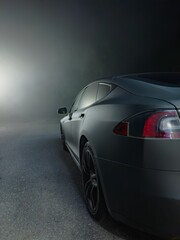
(14, 78)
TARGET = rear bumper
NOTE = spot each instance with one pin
(144, 198)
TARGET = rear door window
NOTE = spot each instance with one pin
(103, 90)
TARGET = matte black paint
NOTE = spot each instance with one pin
(140, 177)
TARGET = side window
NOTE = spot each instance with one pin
(103, 90)
(89, 96)
(76, 102)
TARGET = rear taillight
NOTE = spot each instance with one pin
(162, 124)
(122, 129)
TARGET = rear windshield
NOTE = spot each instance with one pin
(165, 79)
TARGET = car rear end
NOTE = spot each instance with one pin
(152, 189)
(139, 162)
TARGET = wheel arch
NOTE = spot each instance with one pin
(83, 141)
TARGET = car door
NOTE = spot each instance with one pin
(67, 124)
(78, 116)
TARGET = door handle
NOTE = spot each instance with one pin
(82, 115)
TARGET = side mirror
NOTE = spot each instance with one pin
(62, 110)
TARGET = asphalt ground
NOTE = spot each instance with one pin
(41, 196)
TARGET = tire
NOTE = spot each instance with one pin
(91, 185)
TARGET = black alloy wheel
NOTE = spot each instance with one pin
(92, 189)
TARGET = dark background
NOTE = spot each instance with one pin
(50, 49)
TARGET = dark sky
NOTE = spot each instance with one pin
(50, 49)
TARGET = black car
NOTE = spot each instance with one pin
(124, 135)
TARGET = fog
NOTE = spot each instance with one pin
(50, 49)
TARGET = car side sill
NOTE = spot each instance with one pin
(75, 158)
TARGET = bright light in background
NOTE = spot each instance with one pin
(16, 76)
(7, 75)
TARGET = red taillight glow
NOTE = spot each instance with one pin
(151, 125)
(122, 129)
(162, 124)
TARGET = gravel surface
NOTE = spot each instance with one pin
(41, 196)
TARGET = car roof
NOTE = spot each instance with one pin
(159, 78)
(159, 85)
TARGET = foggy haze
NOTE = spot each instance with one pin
(50, 49)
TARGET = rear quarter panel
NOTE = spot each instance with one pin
(102, 117)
